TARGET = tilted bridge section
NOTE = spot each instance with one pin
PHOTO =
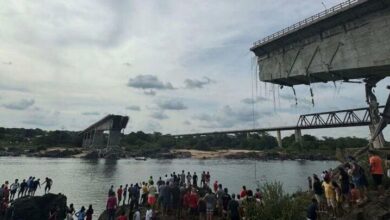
(332, 119)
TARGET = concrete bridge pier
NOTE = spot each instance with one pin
(373, 106)
(298, 136)
(279, 138)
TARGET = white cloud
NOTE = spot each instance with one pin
(90, 113)
(22, 104)
(159, 115)
(75, 56)
(148, 82)
(171, 104)
(197, 84)
(133, 108)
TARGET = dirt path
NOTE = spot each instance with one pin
(199, 154)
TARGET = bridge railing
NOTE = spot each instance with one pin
(333, 10)
(349, 117)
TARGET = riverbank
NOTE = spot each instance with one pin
(64, 152)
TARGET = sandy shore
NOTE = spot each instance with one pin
(199, 154)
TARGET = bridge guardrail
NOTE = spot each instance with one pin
(333, 10)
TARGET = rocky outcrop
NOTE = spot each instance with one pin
(36, 207)
(59, 153)
(92, 155)
(125, 208)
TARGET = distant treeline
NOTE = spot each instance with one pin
(21, 137)
(15, 137)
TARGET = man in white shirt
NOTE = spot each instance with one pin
(137, 215)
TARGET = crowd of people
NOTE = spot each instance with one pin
(180, 195)
(10, 191)
(186, 196)
(335, 191)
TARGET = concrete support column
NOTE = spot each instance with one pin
(374, 111)
(298, 136)
(279, 138)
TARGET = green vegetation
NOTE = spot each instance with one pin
(278, 205)
(143, 143)
(16, 139)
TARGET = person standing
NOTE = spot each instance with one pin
(243, 192)
(6, 192)
(203, 179)
(125, 193)
(310, 182)
(330, 195)
(215, 186)
(70, 212)
(344, 183)
(220, 193)
(208, 178)
(111, 191)
(376, 170)
(36, 184)
(193, 202)
(111, 206)
(233, 208)
(195, 180)
(81, 214)
(189, 178)
(130, 190)
(49, 183)
(318, 191)
(119, 193)
(89, 213)
(22, 188)
(210, 204)
(14, 187)
(182, 178)
(144, 196)
(202, 208)
(152, 191)
(225, 201)
(137, 215)
(312, 210)
(175, 199)
(149, 213)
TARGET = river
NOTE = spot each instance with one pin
(87, 182)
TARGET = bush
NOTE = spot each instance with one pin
(278, 205)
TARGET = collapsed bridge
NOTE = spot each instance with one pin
(105, 133)
(348, 41)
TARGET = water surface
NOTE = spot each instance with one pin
(87, 182)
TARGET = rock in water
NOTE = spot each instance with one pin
(37, 207)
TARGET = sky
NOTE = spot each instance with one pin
(171, 66)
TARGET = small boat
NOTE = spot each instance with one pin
(140, 158)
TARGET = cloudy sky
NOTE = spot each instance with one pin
(172, 66)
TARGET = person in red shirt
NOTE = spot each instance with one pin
(122, 216)
(243, 192)
(376, 170)
(119, 193)
(355, 194)
(186, 199)
(193, 202)
(215, 186)
(111, 206)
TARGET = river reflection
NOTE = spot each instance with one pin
(87, 181)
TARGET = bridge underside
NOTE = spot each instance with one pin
(105, 133)
(351, 44)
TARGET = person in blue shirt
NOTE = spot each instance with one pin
(81, 214)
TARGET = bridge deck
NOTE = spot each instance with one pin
(330, 119)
